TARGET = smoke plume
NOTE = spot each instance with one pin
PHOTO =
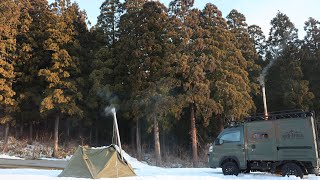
(110, 110)
(265, 72)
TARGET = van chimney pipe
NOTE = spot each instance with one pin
(264, 101)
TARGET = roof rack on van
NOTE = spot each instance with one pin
(279, 115)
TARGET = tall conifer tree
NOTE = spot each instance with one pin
(102, 78)
(311, 58)
(194, 66)
(285, 77)
(23, 85)
(146, 46)
(108, 20)
(230, 82)
(239, 28)
(259, 41)
(9, 20)
(61, 95)
(282, 33)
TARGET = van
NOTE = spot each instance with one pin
(281, 143)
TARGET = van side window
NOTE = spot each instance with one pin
(260, 136)
(233, 136)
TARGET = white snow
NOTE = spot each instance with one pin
(4, 156)
(144, 172)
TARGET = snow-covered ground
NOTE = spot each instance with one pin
(144, 172)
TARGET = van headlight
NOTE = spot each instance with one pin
(209, 153)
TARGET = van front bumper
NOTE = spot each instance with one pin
(213, 162)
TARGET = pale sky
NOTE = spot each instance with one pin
(259, 12)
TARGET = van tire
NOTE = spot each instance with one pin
(291, 169)
(230, 168)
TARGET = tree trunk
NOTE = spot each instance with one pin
(30, 132)
(97, 132)
(80, 134)
(68, 130)
(194, 136)
(16, 131)
(6, 137)
(133, 136)
(17, 128)
(157, 141)
(163, 143)
(56, 137)
(21, 130)
(37, 133)
(90, 137)
(138, 141)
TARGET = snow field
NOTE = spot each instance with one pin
(144, 172)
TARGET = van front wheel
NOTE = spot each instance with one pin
(230, 168)
(291, 169)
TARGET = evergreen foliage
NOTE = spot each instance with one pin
(310, 55)
(108, 20)
(9, 20)
(176, 72)
(239, 28)
(286, 79)
(61, 93)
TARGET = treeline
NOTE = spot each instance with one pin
(176, 75)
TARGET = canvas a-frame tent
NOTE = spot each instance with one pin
(97, 163)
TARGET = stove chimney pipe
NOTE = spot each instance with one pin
(264, 101)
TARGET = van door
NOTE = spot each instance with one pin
(231, 145)
(261, 141)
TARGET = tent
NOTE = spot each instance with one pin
(97, 163)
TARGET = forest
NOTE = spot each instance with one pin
(175, 74)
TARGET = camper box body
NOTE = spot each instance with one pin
(268, 144)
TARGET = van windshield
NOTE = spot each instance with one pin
(233, 136)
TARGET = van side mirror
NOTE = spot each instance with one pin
(221, 141)
(218, 141)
